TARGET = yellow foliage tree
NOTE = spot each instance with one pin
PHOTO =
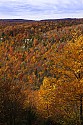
(62, 96)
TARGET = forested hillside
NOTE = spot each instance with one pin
(41, 72)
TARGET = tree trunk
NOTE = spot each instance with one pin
(81, 118)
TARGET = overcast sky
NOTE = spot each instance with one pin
(40, 9)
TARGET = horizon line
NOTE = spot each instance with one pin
(41, 19)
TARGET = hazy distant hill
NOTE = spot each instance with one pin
(25, 20)
(15, 20)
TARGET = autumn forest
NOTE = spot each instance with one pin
(41, 72)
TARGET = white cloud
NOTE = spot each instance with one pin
(40, 9)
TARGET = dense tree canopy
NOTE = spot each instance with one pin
(41, 73)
